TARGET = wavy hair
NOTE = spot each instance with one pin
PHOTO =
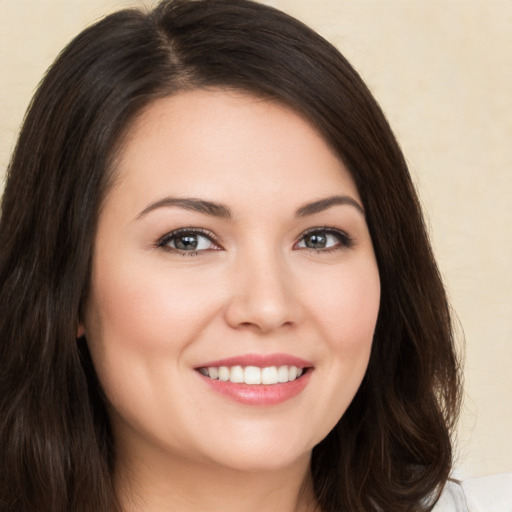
(391, 450)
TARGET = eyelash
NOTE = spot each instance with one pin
(163, 242)
(345, 241)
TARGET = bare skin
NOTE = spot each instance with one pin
(233, 232)
(209, 489)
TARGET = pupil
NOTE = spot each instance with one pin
(316, 241)
(186, 242)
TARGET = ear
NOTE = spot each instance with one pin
(80, 331)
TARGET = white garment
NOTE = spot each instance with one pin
(486, 494)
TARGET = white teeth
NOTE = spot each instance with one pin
(224, 373)
(269, 375)
(253, 374)
(236, 374)
(282, 374)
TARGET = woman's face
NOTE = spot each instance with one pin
(233, 239)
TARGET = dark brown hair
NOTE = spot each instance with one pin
(391, 450)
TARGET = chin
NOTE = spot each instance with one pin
(263, 460)
(260, 453)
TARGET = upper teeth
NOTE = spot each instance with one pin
(253, 374)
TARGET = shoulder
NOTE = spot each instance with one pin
(485, 494)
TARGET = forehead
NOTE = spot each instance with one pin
(230, 146)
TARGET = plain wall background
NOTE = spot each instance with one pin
(442, 71)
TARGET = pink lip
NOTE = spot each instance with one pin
(259, 360)
(260, 394)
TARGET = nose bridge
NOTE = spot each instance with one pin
(262, 291)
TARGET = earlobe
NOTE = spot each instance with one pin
(80, 332)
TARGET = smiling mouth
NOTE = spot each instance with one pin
(253, 375)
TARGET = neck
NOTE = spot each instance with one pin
(177, 485)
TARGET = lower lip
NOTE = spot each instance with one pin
(259, 394)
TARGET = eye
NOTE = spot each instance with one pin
(188, 241)
(322, 239)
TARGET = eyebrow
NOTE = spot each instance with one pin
(189, 203)
(328, 202)
(222, 211)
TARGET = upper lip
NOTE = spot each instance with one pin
(259, 360)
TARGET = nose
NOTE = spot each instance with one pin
(263, 296)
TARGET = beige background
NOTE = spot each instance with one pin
(442, 71)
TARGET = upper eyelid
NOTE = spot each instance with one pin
(325, 229)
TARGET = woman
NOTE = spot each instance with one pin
(217, 289)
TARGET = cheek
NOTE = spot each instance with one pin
(347, 310)
(139, 323)
(147, 308)
(346, 315)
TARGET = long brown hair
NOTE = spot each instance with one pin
(391, 451)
